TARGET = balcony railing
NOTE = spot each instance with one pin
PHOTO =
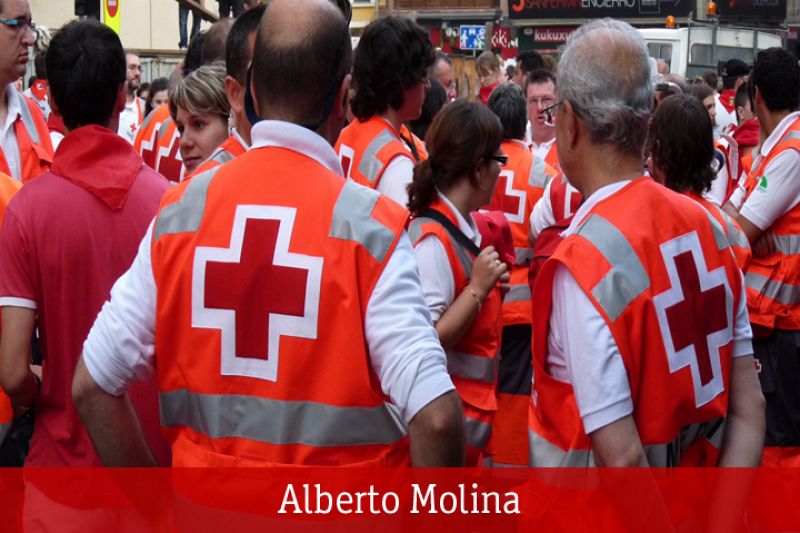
(428, 5)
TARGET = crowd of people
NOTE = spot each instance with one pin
(293, 252)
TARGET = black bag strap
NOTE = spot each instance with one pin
(452, 229)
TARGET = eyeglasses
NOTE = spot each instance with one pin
(135, 67)
(546, 102)
(19, 23)
(549, 114)
(502, 159)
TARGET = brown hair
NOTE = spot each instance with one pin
(462, 134)
(487, 63)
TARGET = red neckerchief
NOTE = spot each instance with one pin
(748, 133)
(39, 89)
(726, 98)
(100, 161)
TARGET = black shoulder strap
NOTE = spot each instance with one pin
(452, 229)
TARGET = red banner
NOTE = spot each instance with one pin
(388, 500)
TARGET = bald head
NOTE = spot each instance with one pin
(214, 41)
(302, 53)
(611, 92)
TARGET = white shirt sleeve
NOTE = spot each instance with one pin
(121, 343)
(582, 351)
(542, 214)
(395, 179)
(435, 276)
(719, 186)
(404, 349)
(782, 192)
(742, 332)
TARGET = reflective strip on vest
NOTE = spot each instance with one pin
(474, 367)
(477, 432)
(352, 220)
(787, 244)
(537, 176)
(370, 166)
(27, 121)
(627, 277)
(518, 293)
(187, 213)
(281, 422)
(542, 453)
(523, 256)
(222, 156)
(781, 292)
(735, 236)
(719, 234)
(415, 232)
(164, 125)
(3, 430)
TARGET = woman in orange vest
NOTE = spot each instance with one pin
(681, 146)
(459, 280)
(199, 106)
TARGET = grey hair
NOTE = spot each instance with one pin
(611, 91)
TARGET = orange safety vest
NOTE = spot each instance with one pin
(564, 198)
(8, 187)
(146, 140)
(552, 157)
(169, 162)
(773, 283)
(262, 295)
(419, 145)
(473, 361)
(736, 237)
(641, 267)
(229, 150)
(33, 138)
(366, 149)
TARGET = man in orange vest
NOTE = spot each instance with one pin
(238, 52)
(24, 139)
(769, 214)
(390, 75)
(519, 187)
(289, 327)
(540, 93)
(641, 342)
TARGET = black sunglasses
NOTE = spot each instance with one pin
(502, 159)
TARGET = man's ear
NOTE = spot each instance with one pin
(235, 93)
(341, 101)
(571, 128)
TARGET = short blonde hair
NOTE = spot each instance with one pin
(201, 92)
(487, 63)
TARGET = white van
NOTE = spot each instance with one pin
(690, 51)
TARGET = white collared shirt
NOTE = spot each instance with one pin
(541, 150)
(404, 349)
(780, 192)
(8, 139)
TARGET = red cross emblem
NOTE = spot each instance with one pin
(148, 147)
(256, 291)
(507, 199)
(695, 315)
(170, 163)
(346, 156)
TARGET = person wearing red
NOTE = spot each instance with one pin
(641, 343)
(519, 187)
(487, 66)
(390, 77)
(309, 345)
(67, 236)
(734, 74)
(24, 139)
(681, 146)
(748, 134)
(459, 280)
(8, 187)
(767, 207)
(38, 87)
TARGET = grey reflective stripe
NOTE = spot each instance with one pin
(792, 135)
(370, 166)
(147, 120)
(627, 277)
(222, 156)
(3, 430)
(787, 244)
(164, 125)
(781, 292)
(352, 220)
(477, 432)
(518, 293)
(719, 234)
(474, 367)
(542, 453)
(735, 235)
(464, 257)
(27, 120)
(281, 422)
(523, 256)
(187, 213)
(537, 176)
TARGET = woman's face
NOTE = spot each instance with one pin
(711, 107)
(487, 78)
(159, 98)
(200, 136)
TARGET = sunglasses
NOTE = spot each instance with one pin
(502, 159)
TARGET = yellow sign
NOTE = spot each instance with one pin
(111, 14)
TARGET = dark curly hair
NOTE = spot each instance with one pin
(776, 75)
(681, 144)
(462, 134)
(393, 54)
